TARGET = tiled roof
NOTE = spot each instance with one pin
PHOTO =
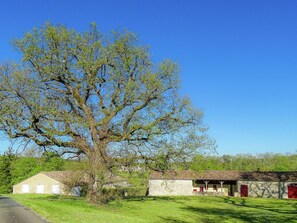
(66, 176)
(225, 175)
(270, 176)
(219, 175)
(78, 176)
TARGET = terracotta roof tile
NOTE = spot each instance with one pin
(225, 175)
(65, 176)
(78, 176)
(270, 176)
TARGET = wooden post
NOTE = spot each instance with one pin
(206, 182)
(221, 182)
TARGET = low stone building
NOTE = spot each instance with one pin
(62, 182)
(52, 182)
(224, 183)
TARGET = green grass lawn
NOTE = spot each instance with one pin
(58, 209)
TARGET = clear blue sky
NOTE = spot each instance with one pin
(238, 58)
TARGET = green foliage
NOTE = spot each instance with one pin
(6, 175)
(138, 181)
(25, 167)
(262, 162)
(110, 194)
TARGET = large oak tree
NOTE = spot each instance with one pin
(97, 95)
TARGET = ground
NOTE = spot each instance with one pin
(61, 209)
(12, 212)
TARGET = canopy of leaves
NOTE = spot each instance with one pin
(98, 95)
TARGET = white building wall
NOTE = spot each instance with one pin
(266, 188)
(170, 187)
(40, 184)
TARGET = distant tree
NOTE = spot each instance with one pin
(202, 162)
(97, 95)
(52, 161)
(25, 167)
(6, 177)
(246, 162)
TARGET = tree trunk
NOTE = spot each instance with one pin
(95, 191)
(96, 178)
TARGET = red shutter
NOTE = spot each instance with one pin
(292, 191)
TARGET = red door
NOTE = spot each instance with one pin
(292, 191)
(244, 190)
(201, 189)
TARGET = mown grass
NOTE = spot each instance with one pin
(61, 209)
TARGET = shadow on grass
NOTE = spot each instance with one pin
(172, 220)
(244, 214)
(274, 205)
(237, 202)
(228, 209)
(54, 197)
(146, 198)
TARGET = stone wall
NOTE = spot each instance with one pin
(266, 188)
(170, 187)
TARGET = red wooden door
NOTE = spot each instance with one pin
(244, 190)
(292, 191)
(201, 189)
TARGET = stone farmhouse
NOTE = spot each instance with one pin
(52, 182)
(61, 182)
(224, 183)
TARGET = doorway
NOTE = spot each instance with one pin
(292, 191)
(244, 191)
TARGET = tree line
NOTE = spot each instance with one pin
(246, 162)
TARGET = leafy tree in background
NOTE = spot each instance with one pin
(6, 177)
(246, 162)
(100, 96)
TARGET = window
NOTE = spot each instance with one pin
(25, 188)
(215, 188)
(40, 189)
(56, 189)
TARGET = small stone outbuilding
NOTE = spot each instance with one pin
(224, 183)
(63, 183)
(52, 182)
